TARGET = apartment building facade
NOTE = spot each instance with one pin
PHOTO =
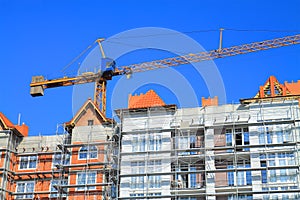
(73, 164)
(243, 151)
(157, 151)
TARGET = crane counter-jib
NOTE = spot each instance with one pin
(39, 83)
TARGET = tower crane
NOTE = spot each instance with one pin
(109, 69)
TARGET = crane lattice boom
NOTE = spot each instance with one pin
(39, 83)
(214, 54)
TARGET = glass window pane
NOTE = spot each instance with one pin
(93, 154)
(228, 139)
(142, 144)
(279, 137)
(230, 176)
(20, 187)
(151, 142)
(134, 144)
(262, 138)
(246, 138)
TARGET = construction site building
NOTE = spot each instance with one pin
(234, 151)
(158, 151)
(75, 163)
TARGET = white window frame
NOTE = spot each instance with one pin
(28, 162)
(157, 143)
(88, 152)
(139, 143)
(237, 182)
(142, 143)
(86, 181)
(25, 196)
(154, 181)
(137, 167)
(234, 132)
(186, 140)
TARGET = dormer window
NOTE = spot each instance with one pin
(90, 122)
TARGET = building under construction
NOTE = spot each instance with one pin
(157, 151)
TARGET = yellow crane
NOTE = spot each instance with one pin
(39, 83)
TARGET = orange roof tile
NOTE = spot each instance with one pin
(23, 129)
(149, 99)
(6, 122)
(294, 88)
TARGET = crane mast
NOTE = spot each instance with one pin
(39, 83)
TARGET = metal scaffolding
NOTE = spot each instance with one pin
(202, 163)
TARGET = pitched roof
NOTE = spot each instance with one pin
(7, 124)
(293, 87)
(149, 99)
(273, 88)
(82, 111)
(5, 121)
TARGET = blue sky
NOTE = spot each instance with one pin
(41, 37)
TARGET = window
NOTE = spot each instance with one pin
(193, 178)
(134, 144)
(182, 143)
(240, 197)
(238, 136)
(272, 175)
(275, 134)
(239, 177)
(28, 162)
(265, 135)
(193, 144)
(154, 194)
(278, 175)
(186, 141)
(152, 143)
(263, 172)
(137, 168)
(154, 181)
(137, 195)
(138, 143)
(26, 189)
(61, 159)
(142, 144)
(85, 178)
(248, 175)
(88, 152)
(279, 137)
(90, 122)
(230, 176)
(228, 137)
(155, 143)
(54, 187)
(285, 197)
(185, 180)
(154, 166)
